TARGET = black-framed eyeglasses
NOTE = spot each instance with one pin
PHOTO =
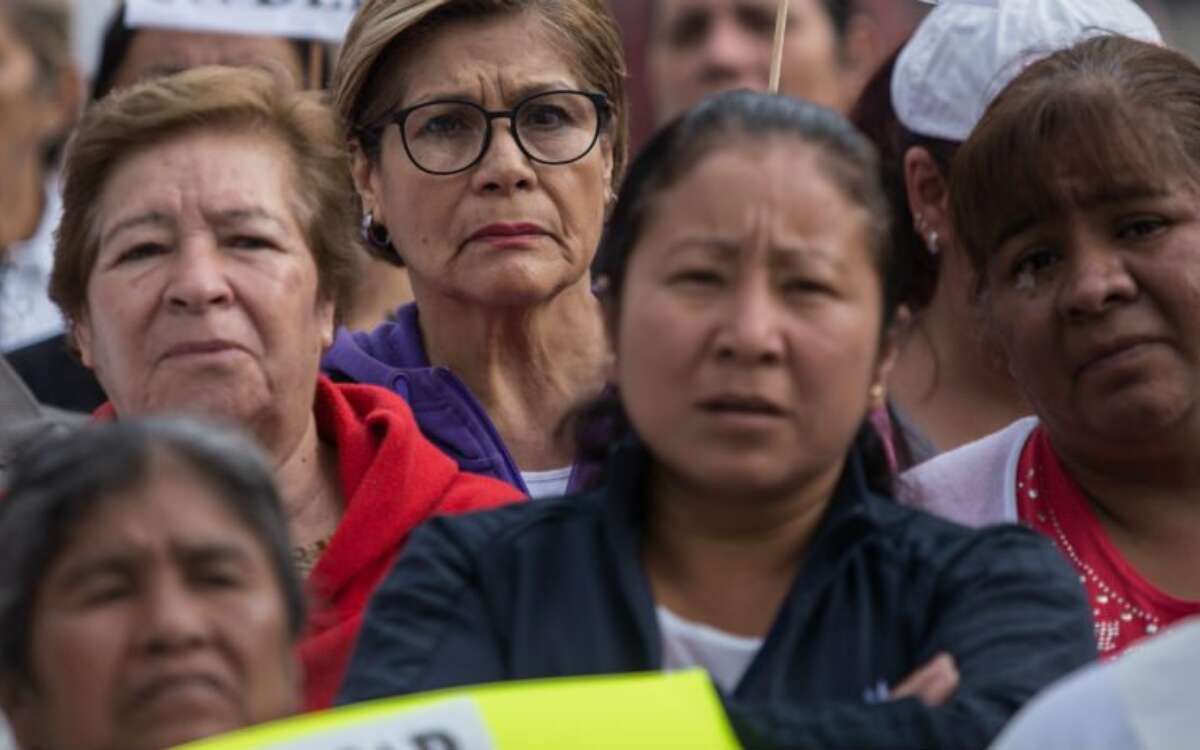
(448, 136)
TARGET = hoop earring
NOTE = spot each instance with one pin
(375, 234)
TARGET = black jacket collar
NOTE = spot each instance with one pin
(854, 512)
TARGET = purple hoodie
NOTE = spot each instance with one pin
(393, 356)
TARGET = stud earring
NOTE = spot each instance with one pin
(877, 395)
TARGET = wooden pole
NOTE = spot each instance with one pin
(316, 65)
(781, 19)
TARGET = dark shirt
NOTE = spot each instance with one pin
(556, 588)
(57, 377)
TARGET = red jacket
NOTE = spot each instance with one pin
(392, 479)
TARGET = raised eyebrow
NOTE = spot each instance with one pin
(239, 215)
(1121, 194)
(214, 552)
(533, 89)
(756, 10)
(149, 218)
(790, 254)
(521, 92)
(80, 572)
(711, 245)
(1014, 229)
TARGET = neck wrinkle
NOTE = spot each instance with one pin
(527, 366)
(308, 484)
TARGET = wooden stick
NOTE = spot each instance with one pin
(316, 65)
(781, 19)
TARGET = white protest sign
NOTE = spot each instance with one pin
(326, 20)
(450, 725)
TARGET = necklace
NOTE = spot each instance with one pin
(1118, 620)
(305, 557)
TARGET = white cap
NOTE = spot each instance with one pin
(966, 51)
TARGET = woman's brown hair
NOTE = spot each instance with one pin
(383, 31)
(1109, 111)
(221, 100)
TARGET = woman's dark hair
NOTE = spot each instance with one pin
(60, 480)
(1107, 110)
(118, 37)
(874, 115)
(730, 120)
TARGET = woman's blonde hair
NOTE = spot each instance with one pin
(242, 100)
(384, 29)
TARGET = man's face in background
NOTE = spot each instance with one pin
(701, 47)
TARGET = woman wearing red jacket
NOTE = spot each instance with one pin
(198, 277)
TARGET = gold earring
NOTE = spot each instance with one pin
(877, 394)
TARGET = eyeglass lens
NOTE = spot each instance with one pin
(554, 128)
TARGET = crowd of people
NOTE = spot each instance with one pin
(873, 399)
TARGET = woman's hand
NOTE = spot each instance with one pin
(932, 684)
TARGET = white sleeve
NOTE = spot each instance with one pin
(1082, 712)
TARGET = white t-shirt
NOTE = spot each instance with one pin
(552, 483)
(26, 313)
(6, 740)
(687, 644)
(1143, 700)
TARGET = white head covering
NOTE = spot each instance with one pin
(966, 51)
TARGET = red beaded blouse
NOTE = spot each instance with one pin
(1125, 606)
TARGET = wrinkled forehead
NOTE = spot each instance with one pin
(155, 52)
(665, 9)
(414, 58)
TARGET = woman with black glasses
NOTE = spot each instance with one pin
(486, 138)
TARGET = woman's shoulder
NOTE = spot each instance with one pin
(936, 542)
(505, 531)
(973, 485)
(375, 356)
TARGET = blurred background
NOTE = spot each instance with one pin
(1179, 20)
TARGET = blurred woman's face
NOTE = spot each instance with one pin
(1098, 310)
(158, 52)
(701, 47)
(27, 111)
(508, 231)
(161, 621)
(203, 297)
(749, 333)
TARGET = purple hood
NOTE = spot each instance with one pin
(393, 356)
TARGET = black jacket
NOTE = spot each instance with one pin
(554, 588)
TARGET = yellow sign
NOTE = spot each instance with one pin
(630, 712)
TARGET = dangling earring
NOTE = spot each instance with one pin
(375, 234)
(931, 243)
(930, 237)
(877, 395)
